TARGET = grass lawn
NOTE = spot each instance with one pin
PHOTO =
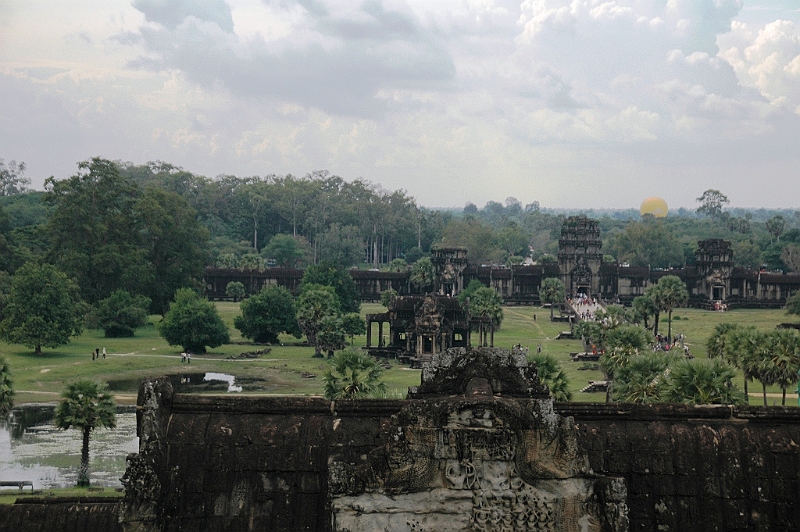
(290, 368)
(10, 495)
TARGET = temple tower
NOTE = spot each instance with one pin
(579, 255)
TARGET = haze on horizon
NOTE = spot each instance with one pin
(572, 103)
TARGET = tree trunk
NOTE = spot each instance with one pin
(655, 324)
(83, 475)
(669, 326)
(783, 396)
(746, 396)
(37, 350)
(764, 392)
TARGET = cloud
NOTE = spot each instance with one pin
(337, 61)
(767, 60)
(171, 13)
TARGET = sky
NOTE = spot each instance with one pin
(571, 103)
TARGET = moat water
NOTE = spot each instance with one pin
(32, 448)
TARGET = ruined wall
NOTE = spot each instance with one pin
(698, 468)
(37, 514)
(239, 463)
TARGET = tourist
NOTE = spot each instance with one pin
(183, 357)
(104, 353)
(539, 349)
(188, 358)
(93, 355)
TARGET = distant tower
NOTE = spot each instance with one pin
(579, 255)
(449, 264)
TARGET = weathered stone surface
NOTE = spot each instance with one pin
(672, 467)
(34, 514)
(459, 371)
(475, 464)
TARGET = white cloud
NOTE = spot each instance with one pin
(539, 98)
(768, 60)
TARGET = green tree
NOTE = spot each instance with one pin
(775, 226)
(267, 314)
(703, 381)
(353, 324)
(6, 388)
(791, 257)
(193, 323)
(94, 233)
(387, 296)
(551, 374)
(120, 314)
(330, 335)
(235, 290)
(647, 243)
(12, 178)
(352, 375)
(286, 250)
(551, 292)
(341, 246)
(313, 306)
(746, 254)
(173, 243)
(44, 308)
(793, 304)
(328, 274)
(712, 202)
(85, 405)
(423, 274)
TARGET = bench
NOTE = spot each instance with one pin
(16, 483)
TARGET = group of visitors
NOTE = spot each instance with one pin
(186, 357)
(96, 354)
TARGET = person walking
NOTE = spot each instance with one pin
(104, 353)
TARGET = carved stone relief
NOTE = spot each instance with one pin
(477, 465)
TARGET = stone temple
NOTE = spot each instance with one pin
(711, 279)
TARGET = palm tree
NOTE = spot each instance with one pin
(551, 374)
(670, 292)
(551, 291)
(702, 381)
(644, 379)
(719, 340)
(85, 405)
(6, 388)
(352, 375)
(487, 302)
(643, 308)
(784, 360)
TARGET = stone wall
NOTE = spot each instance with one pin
(698, 468)
(37, 514)
(239, 463)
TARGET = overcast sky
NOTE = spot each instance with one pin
(583, 103)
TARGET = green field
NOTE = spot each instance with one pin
(290, 369)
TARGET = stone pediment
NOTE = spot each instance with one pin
(460, 458)
(479, 465)
(507, 373)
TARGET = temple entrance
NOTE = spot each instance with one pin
(718, 293)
